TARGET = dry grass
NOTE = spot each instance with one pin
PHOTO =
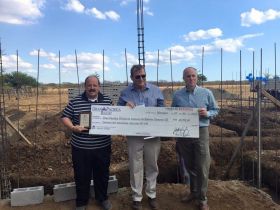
(49, 98)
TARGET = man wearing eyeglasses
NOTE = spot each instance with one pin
(143, 152)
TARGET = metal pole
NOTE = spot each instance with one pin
(18, 150)
(202, 65)
(221, 91)
(241, 110)
(77, 67)
(37, 95)
(126, 66)
(103, 64)
(157, 65)
(259, 127)
(171, 71)
(59, 93)
(276, 92)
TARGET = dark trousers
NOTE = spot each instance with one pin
(87, 164)
(196, 155)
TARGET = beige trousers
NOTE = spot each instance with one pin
(143, 155)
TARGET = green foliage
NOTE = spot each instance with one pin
(201, 78)
(19, 79)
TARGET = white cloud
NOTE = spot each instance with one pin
(10, 64)
(126, 2)
(233, 45)
(21, 12)
(229, 45)
(112, 15)
(258, 17)
(75, 5)
(86, 61)
(203, 34)
(146, 10)
(103, 15)
(48, 66)
(96, 13)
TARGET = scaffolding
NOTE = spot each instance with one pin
(140, 31)
(5, 185)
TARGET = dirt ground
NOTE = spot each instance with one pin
(48, 162)
(223, 195)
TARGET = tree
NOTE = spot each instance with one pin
(201, 78)
(19, 79)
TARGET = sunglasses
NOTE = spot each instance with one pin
(140, 76)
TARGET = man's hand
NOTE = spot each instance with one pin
(78, 129)
(202, 112)
(130, 104)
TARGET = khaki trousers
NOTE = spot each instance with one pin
(143, 155)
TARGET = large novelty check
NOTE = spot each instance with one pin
(145, 121)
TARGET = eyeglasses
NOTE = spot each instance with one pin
(140, 76)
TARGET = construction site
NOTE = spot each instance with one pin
(36, 165)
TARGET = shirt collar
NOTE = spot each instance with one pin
(194, 90)
(147, 86)
(98, 98)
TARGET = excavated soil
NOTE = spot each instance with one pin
(48, 161)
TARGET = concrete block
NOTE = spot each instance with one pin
(67, 191)
(27, 196)
(64, 192)
(112, 185)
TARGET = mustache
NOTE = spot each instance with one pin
(92, 90)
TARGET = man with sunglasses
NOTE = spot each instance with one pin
(142, 152)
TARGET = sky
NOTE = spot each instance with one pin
(235, 36)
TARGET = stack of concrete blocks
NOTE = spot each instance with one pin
(27, 196)
(113, 91)
(67, 191)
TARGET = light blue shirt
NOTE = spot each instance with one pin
(150, 96)
(199, 98)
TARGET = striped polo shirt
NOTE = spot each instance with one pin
(72, 111)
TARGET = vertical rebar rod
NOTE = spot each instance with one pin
(259, 125)
(103, 71)
(202, 66)
(170, 59)
(18, 150)
(59, 81)
(254, 110)
(275, 77)
(157, 64)
(60, 108)
(221, 92)
(241, 109)
(77, 69)
(4, 188)
(37, 94)
(276, 116)
(125, 55)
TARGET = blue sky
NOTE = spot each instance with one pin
(181, 27)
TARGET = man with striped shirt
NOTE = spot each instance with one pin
(195, 151)
(90, 153)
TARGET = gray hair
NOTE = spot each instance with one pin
(188, 68)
